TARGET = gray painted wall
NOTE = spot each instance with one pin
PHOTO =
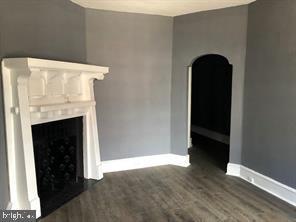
(270, 91)
(133, 102)
(52, 29)
(219, 31)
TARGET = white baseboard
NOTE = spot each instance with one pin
(145, 161)
(233, 169)
(178, 160)
(272, 186)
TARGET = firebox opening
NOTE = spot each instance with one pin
(58, 151)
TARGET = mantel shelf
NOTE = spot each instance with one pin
(63, 106)
(40, 64)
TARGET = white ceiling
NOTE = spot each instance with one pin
(160, 7)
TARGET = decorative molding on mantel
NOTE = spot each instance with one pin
(282, 191)
(38, 91)
(144, 162)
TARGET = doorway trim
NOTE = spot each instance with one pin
(189, 96)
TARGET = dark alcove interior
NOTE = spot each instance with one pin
(58, 151)
(211, 107)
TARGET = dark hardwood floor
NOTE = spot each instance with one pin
(201, 192)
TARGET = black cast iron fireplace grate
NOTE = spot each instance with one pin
(58, 151)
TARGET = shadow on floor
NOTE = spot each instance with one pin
(205, 149)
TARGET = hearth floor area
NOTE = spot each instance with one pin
(51, 203)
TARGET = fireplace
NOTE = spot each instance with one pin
(58, 152)
(51, 131)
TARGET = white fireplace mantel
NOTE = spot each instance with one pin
(38, 91)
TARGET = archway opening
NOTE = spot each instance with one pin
(211, 86)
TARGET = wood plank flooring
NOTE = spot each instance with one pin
(201, 192)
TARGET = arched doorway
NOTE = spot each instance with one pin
(209, 105)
